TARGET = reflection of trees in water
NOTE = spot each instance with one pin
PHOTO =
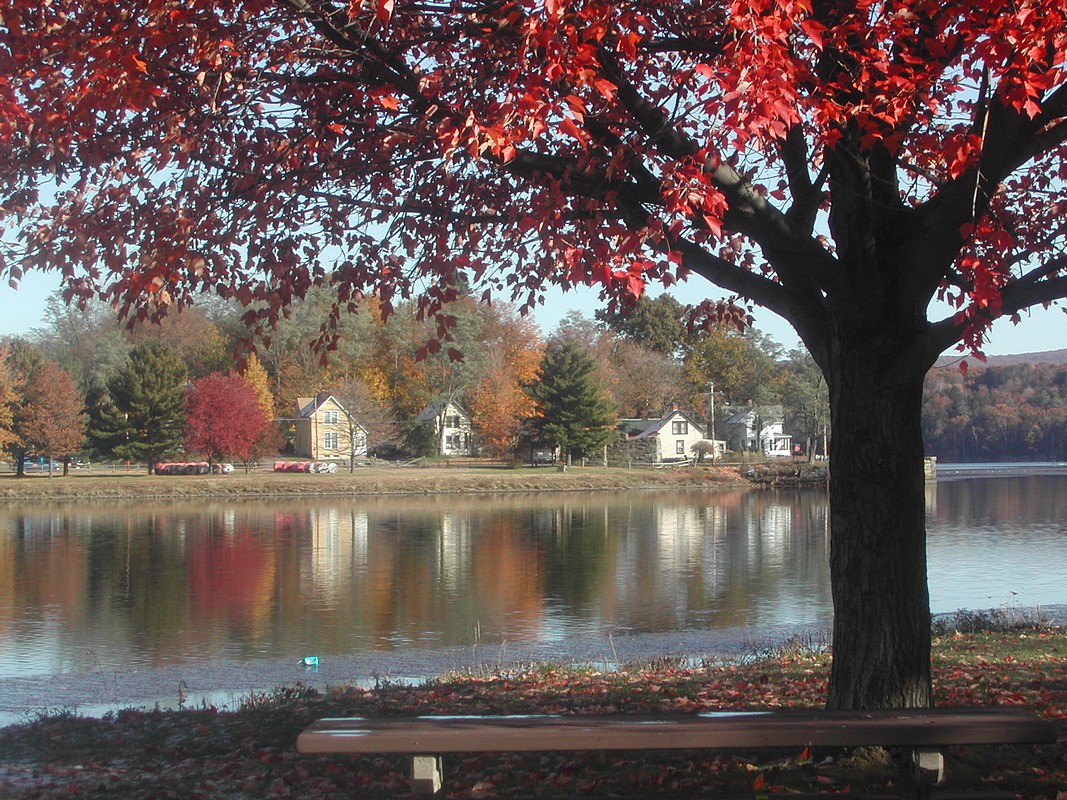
(715, 564)
(192, 581)
(94, 587)
(997, 500)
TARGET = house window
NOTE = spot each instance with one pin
(680, 428)
(679, 447)
(452, 422)
(331, 441)
(329, 417)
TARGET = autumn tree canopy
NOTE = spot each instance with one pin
(842, 164)
(54, 416)
(225, 418)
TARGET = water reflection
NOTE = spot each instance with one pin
(120, 586)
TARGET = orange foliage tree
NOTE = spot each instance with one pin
(498, 401)
(53, 423)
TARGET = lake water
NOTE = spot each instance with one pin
(101, 588)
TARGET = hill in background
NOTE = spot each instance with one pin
(1045, 357)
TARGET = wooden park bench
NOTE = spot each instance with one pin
(921, 733)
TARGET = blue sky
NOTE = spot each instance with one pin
(22, 309)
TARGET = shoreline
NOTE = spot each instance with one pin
(225, 683)
(368, 481)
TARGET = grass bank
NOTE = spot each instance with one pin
(249, 753)
(364, 481)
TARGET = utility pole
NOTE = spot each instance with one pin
(711, 420)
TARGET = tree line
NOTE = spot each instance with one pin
(82, 384)
(153, 391)
(1016, 412)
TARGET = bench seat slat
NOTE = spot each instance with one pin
(931, 728)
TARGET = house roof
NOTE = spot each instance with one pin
(431, 412)
(640, 428)
(770, 414)
(307, 406)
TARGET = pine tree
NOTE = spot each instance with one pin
(573, 412)
(148, 394)
(107, 427)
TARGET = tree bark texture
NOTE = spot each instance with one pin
(881, 639)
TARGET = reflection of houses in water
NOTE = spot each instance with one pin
(339, 548)
(454, 551)
(769, 531)
(681, 533)
(738, 562)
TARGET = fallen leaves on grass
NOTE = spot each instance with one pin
(250, 753)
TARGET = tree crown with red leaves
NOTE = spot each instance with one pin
(810, 156)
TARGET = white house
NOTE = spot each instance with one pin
(760, 429)
(451, 427)
(668, 438)
(325, 430)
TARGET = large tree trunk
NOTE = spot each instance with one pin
(881, 640)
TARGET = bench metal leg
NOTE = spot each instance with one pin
(426, 774)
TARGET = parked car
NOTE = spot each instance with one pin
(40, 464)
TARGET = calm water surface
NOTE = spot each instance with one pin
(114, 586)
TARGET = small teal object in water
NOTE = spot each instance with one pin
(310, 661)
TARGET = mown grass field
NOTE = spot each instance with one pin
(104, 484)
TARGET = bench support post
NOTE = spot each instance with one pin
(920, 771)
(426, 774)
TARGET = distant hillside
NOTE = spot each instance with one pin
(1046, 357)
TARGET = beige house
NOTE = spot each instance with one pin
(451, 427)
(326, 431)
(671, 437)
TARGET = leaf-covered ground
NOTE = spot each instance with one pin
(250, 753)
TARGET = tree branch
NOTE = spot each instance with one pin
(806, 196)
(1006, 146)
(1037, 287)
(798, 260)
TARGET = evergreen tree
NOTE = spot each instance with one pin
(573, 412)
(107, 426)
(147, 418)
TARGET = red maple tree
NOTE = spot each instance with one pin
(842, 164)
(224, 418)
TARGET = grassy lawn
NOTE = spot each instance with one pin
(105, 485)
(249, 753)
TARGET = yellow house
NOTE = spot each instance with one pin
(326, 431)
